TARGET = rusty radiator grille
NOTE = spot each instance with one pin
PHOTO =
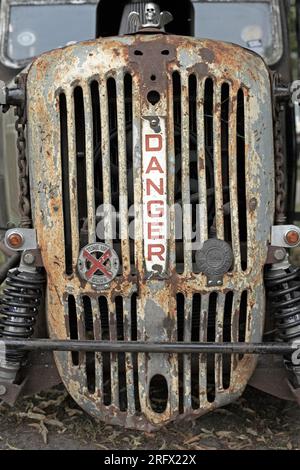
(88, 150)
(210, 317)
(210, 181)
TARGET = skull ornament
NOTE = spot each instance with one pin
(152, 13)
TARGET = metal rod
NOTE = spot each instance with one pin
(142, 347)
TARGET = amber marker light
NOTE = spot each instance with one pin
(292, 237)
(15, 240)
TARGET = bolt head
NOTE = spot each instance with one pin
(279, 255)
(29, 258)
(2, 390)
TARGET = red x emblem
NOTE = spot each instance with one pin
(97, 264)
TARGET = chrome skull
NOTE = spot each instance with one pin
(152, 13)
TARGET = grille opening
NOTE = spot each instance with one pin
(89, 334)
(97, 138)
(73, 328)
(195, 337)
(121, 356)
(193, 164)
(225, 159)
(211, 337)
(153, 97)
(227, 338)
(177, 183)
(241, 175)
(180, 303)
(158, 393)
(80, 163)
(129, 151)
(135, 355)
(105, 336)
(243, 319)
(65, 182)
(209, 150)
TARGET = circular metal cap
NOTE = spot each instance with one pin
(215, 258)
(98, 264)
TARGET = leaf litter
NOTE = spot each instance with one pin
(256, 421)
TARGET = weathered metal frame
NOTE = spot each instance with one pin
(63, 69)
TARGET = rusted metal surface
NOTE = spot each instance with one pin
(61, 71)
(271, 376)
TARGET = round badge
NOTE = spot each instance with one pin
(215, 258)
(98, 264)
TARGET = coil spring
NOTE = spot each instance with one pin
(284, 293)
(19, 306)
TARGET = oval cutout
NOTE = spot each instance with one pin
(158, 393)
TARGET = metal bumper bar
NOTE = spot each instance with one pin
(160, 348)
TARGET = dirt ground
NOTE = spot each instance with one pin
(53, 421)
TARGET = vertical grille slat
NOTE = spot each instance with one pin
(171, 178)
(227, 325)
(203, 357)
(203, 225)
(185, 173)
(235, 328)
(129, 357)
(98, 356)
(80, 325)
(187, 400)
(106, 165)
(128, 97)
(233, 180)
(73, 177)
(114, 365)
(241, 172)
(217, 157)
(89, 157)
(137, 179)
(123, 182)
(218, 339)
